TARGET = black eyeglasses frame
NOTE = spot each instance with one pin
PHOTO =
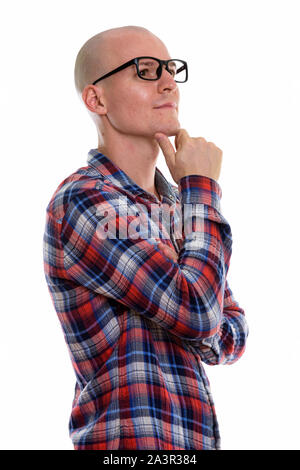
(159, 72)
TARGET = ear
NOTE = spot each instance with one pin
(94, 99)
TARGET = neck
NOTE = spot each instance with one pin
(135, 155)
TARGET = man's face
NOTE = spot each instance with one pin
(132, 103)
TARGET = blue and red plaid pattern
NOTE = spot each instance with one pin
(137, 324)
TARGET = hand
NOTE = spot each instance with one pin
(167, 251)
(194, 156)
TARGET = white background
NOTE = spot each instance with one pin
(244, 95)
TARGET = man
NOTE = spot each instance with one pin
(140, 313)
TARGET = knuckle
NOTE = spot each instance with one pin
(191, 142)
(211, 145)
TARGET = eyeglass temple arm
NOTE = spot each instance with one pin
(114, 71)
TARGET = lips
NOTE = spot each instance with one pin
(167, 105)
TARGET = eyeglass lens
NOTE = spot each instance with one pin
(148, 69)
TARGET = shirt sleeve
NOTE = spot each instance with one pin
(187, 297)
(229, 343)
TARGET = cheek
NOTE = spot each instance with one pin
(139, 98)
(131, 103)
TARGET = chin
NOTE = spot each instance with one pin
(169, 130)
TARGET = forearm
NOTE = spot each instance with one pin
(229, 343)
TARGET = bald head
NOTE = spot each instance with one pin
(104, 51)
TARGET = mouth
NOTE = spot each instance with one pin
(167, 105)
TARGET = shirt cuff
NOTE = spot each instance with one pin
(200, 189)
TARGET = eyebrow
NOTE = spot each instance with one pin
(144, 62)
(149, 62)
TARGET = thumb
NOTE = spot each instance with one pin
(166, 147)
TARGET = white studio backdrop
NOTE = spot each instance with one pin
(243, 94)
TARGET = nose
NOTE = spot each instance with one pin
(166, 80)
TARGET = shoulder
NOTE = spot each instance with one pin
(83, 187)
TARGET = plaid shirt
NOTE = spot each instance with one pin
(137, 324)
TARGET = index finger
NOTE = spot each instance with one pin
(181, 136)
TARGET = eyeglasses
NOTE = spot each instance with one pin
(150, 68)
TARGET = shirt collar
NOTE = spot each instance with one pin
(118, 177)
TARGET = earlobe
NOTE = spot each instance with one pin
(94, 100)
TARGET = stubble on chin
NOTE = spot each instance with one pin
(171, 130)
